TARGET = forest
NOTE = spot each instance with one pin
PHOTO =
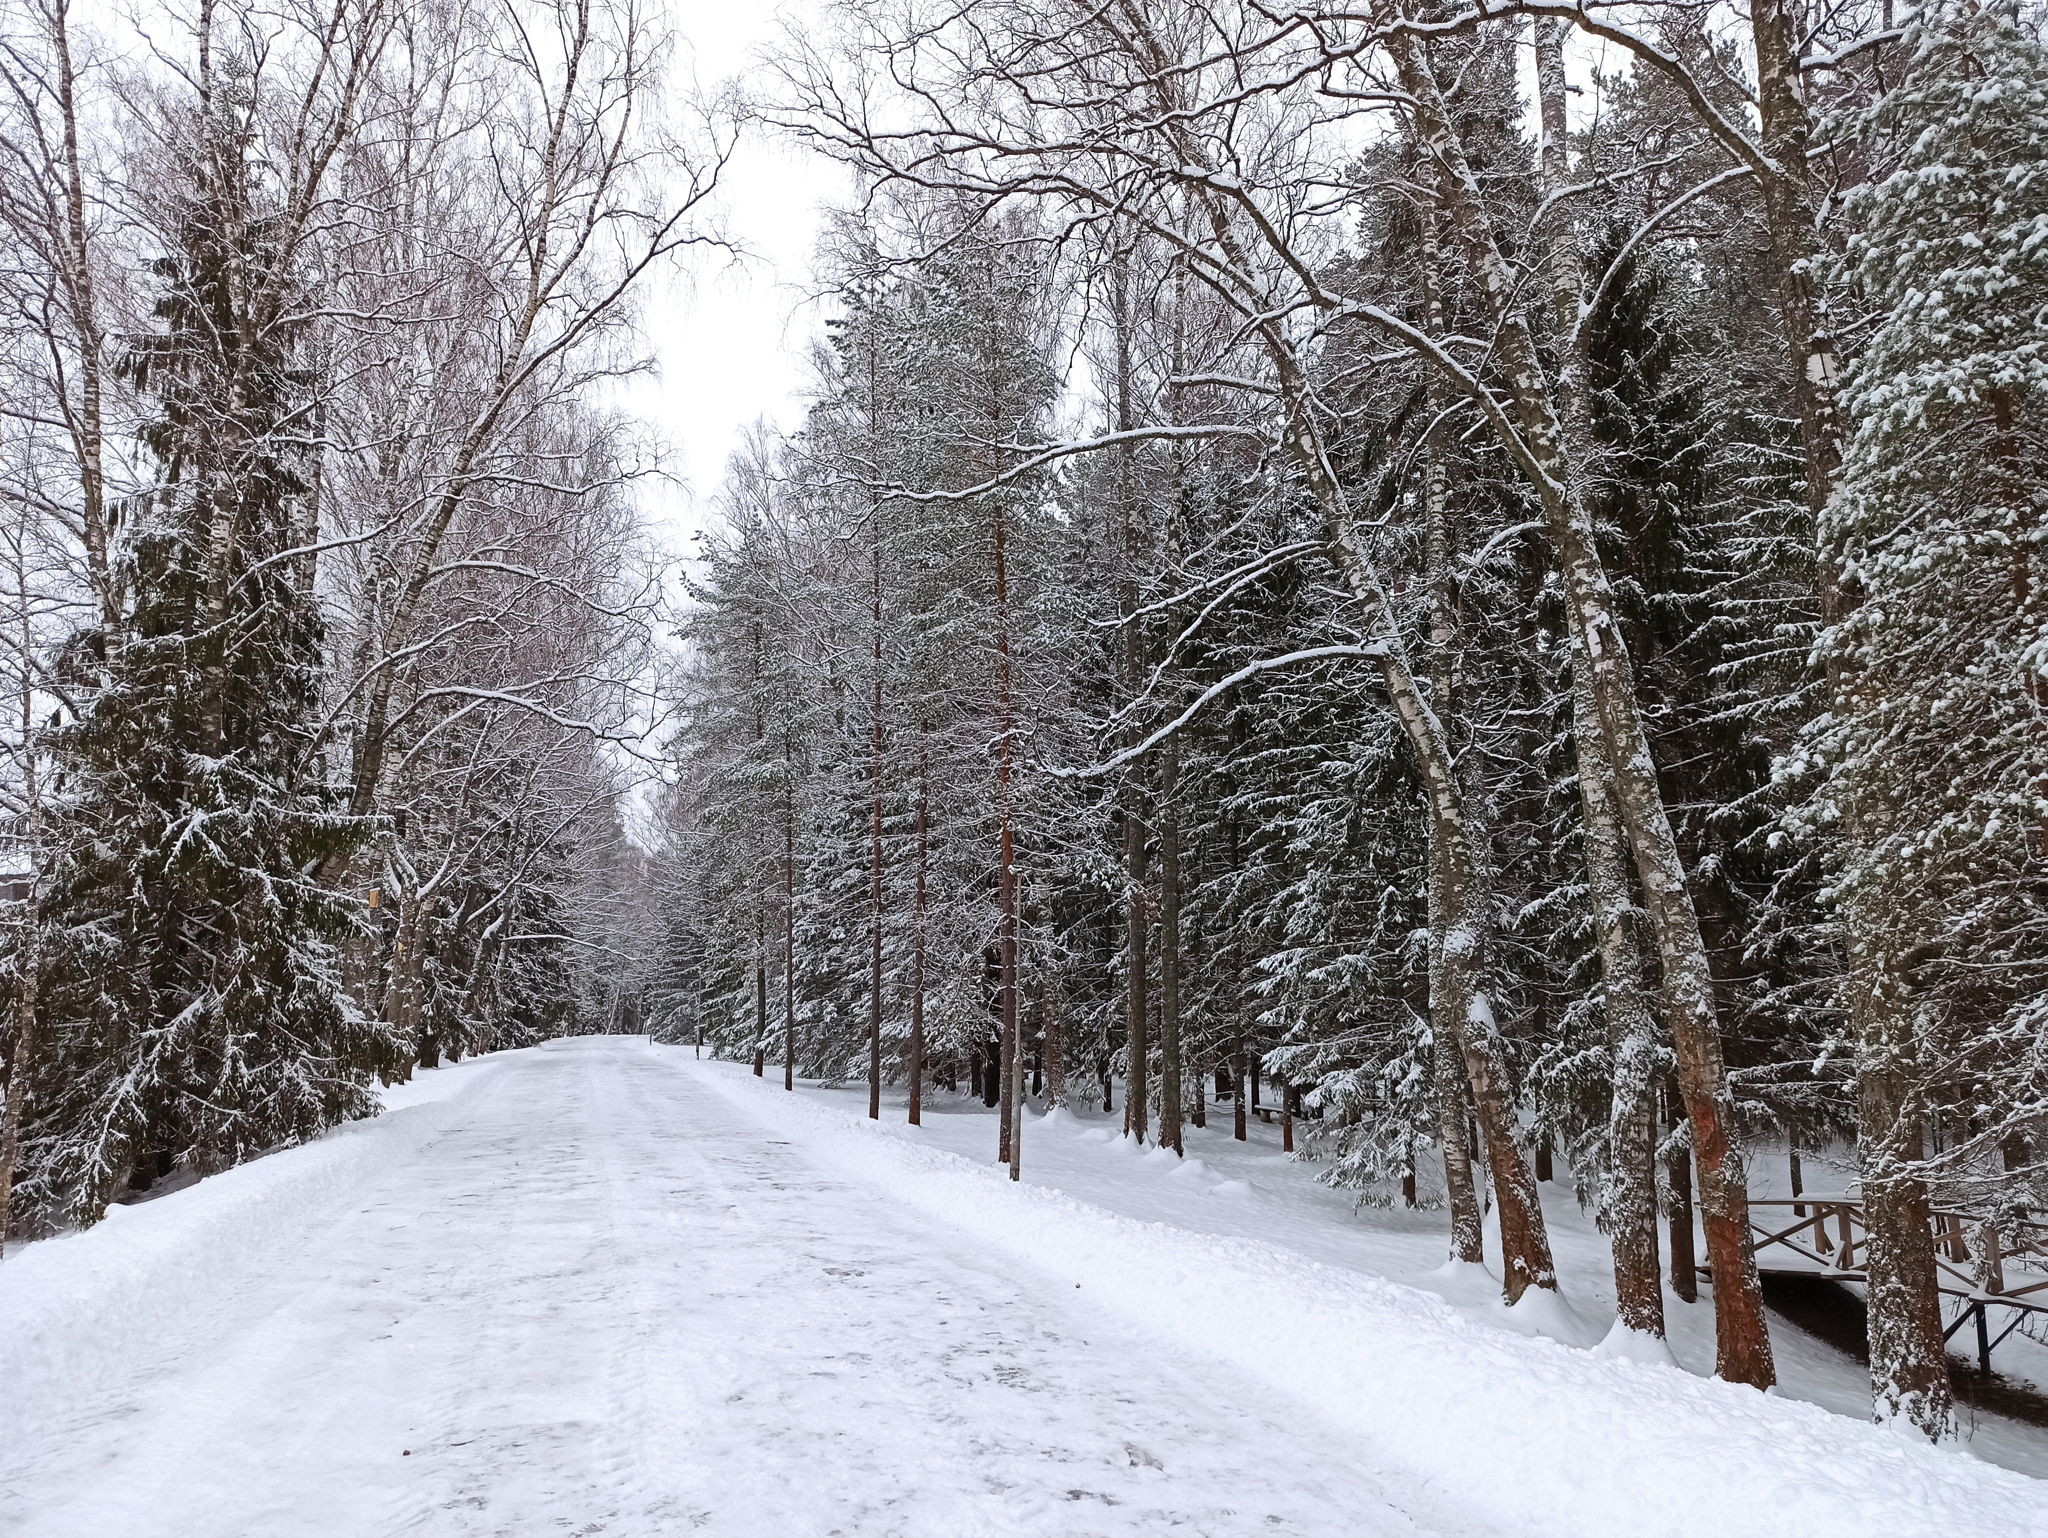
(1461, 572)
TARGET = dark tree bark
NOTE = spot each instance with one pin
(917, 930)
(788, 929)
(1055, 1049)
(1169, 950)
(1685, 1265)
(1237, 1068)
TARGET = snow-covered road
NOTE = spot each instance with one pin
(588, 1294)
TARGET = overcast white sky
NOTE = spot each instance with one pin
(730, 340)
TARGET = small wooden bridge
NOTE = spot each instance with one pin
(1976, 1262)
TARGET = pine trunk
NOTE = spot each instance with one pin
(788, 932)
(875, 855)
(1169, 950)
(1006, 875)
(917, 930)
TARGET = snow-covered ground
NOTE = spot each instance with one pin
(599, 1289)
(1251, 1190)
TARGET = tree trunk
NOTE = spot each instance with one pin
(1137, 1005)
(1055, 1046)
(1237, 1099)
(1006, 870)
(1791, 220)
(1909, 1375)
(1137, 1048)
(1536, 436)
(1628, 1194)
(875, 857)
(1453, 1118)
(20, 1061)
(1685, 1265)
(1454, 858)
(760, 990)
(917, 930)
(1169, 950)
(1461, 1010)
(788, 930)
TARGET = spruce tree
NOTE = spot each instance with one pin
(193, 985)
(1936, 788)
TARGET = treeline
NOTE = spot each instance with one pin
(324, 596)
(1479, 560)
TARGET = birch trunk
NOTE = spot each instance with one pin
(1628, 1199)
(1533, 434)
(1454, 1097)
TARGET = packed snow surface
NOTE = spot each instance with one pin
(596, 1288)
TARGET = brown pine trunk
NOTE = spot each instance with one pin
(875, 855)
(1137, 1003)
(1237, 1096)
(917, 931)
(788, 931)
(1169, 950)
(1006, 873)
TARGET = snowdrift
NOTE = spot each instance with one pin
(1514, 1433)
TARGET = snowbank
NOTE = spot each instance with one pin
(81, 1312)
(1516, 1432)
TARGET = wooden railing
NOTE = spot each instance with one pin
(1977, 1260)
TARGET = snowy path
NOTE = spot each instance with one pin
(588, 1295)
